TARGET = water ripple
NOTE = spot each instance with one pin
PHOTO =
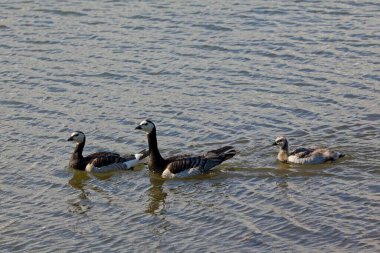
(209, 74)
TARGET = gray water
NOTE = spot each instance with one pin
(209, 73)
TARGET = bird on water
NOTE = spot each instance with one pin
(101, 161)
(182, 165)
(304, 155)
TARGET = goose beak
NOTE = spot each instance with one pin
(70, 139)
(138, 127)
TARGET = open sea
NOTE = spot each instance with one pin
(208, 73)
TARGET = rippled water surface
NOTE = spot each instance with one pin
(209, 73)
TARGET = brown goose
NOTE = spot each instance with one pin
(101, 161)
(183, 165)
(304, 155)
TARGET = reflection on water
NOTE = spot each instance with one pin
(227, 72)
(282, 167)
(81, 204)
(79, 179)
(156, 196)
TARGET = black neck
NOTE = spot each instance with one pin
(285, 148)
(79, 149)
(156, 162)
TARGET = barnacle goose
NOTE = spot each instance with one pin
(182, 165)
(304, 155)
(101, 161)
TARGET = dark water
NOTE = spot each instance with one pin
(208, 73)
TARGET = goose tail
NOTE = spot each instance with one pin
(225, 152)
(142, 154)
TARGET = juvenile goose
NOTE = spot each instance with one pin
(100, 161)
(304, 155)
(182, 165)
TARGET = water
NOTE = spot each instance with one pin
(209, 74)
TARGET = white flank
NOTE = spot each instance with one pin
(308, 160)
(183, 174)
(115, 166)
(167, 174)
(89, 167)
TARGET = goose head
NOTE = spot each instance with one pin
(281, 141)
(77, 137)
(147, 126)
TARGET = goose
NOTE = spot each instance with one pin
(304, 155)
(181, 166)
(101, 161)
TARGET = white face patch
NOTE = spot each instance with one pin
(77, 137)
(146, 126)
(280, 138)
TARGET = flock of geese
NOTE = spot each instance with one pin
(182, 165)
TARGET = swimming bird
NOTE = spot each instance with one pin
(101, 161)
(182, 165)
(304, 155)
